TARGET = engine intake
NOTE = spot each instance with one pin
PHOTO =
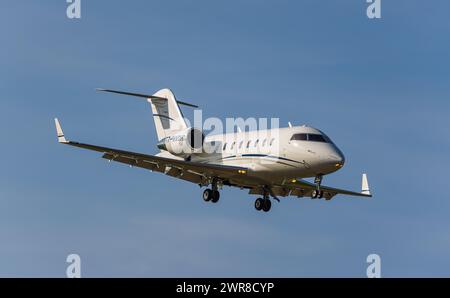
(195, 138)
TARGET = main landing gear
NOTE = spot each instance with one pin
(263, 204)
(212, 194)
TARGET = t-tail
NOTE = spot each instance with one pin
(167, 115)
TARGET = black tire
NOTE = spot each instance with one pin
(320, 194)
(267, 204)
(314, 194)
(207, 195)
(215, 196)
(259, 204)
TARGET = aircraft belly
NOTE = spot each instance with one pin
(269, 171)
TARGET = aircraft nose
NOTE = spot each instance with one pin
(337, 158)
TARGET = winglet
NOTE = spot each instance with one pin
(365, 185)
(59, 132)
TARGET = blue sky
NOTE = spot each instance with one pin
(380, 89)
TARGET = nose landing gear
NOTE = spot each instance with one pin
(318, 179)
(317, 193)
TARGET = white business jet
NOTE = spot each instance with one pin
(270, 163)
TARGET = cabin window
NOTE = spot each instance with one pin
(224, 147)
(256, 143)
(232, 145)
(240, 144)
(248, 144)
(271, 141)
(264, 142)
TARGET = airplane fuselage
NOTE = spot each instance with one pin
(276, 154)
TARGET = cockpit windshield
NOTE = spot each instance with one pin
(310, 137)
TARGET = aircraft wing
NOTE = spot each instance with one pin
(178, 168)
(300, 187)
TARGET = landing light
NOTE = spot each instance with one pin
(338, 165)
(242, 171)
(294, 180)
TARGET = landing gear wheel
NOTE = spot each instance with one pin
(266, 205)
(314, 194)
(215, 196)
(259, 204)
(207, 195)
(320, 194)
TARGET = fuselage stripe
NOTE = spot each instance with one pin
(263, 155)
(271, 156)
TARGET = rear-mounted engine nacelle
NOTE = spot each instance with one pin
(186, 143)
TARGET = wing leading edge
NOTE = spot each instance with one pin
(302, 187)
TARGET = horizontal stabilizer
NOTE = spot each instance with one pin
(144, 96)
